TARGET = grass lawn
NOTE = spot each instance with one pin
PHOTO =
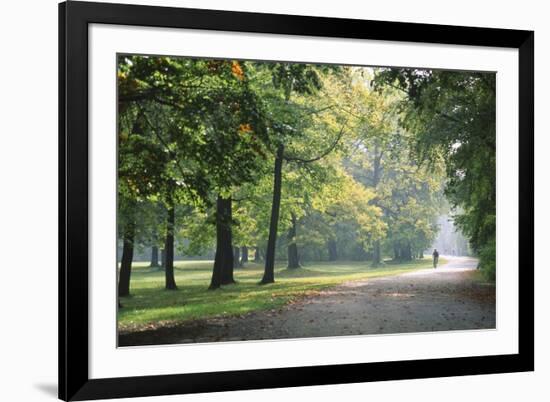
(151, 306)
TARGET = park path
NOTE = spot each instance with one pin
(442, 299)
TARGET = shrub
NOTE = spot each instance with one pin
(487, 260)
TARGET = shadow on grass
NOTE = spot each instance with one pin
(151, 305)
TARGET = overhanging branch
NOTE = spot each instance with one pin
(322, 155)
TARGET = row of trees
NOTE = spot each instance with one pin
(453, 116)
(228, 154)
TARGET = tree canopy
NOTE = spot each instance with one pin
(299, 162)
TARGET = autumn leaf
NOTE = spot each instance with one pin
(245, 128)
(237, 70)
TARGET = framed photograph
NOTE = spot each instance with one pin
(258, 201)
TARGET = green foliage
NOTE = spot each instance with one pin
(452, 116)
(487, 260)
(370, 155)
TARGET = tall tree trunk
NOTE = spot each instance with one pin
(406, 254)
(237, 257)
(126, 260)
(128, 239)
(227, 272)
(293, 259)
(154, 257)
(269, 271)
(332, 250)
(258, 254)
(376, 257)
(361, 254)
(244, 255)
(396, 252)
(376, 176)
(169, 249)
(162, 258)
(222, 273)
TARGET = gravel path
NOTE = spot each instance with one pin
(442, 299)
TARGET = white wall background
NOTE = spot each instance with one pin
(28, 198)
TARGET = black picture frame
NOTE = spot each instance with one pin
(74, 381)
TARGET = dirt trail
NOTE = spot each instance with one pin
(442, 299)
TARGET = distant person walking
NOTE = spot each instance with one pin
(435, 255)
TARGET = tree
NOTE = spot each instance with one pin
(287, 121)
(234, 140)
(127, 257)
(452, 115)
(343, 210)
(302, 160)
(244, 253)
(209, 124)
(148, 95)
(223, 262)
(137, 154)
(170, 282)
(154, 257)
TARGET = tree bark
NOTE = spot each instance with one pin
(162, 258)
(169, 249)
(396, 252)
(376, 176)
(237, 263)
(126, 261)
(258, 254)
(269, 271)
(154, 257)
(222, 273)
(376, 257)
(244, 255)
(332, 250)
(293, 258)
(406, 254)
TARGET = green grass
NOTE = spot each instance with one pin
(150, 306)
